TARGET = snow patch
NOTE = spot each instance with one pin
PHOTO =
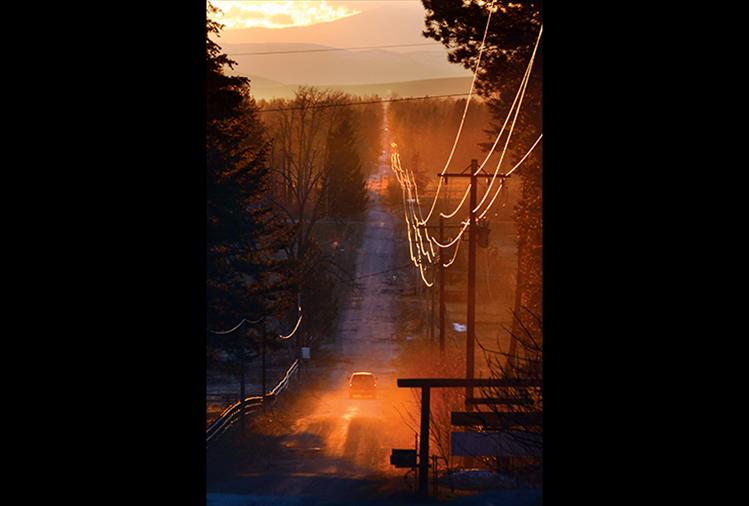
(219, 499)
(477, 479)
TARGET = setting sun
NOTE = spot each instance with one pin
(278, 13)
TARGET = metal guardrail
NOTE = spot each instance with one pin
(231, 414)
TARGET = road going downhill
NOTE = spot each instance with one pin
(335, 449)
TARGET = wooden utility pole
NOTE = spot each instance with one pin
(242, 394)
(471, 298)
(442, 288)
(262, 352)
(431, 315)
(471, 308)
(424, 443)
(442, 227)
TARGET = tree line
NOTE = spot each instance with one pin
(271, 179)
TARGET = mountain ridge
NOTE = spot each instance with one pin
(328, 68)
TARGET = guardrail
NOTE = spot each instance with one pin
(231, 415)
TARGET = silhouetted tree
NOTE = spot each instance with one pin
(347, 191)
(524, 362)
(246, 266)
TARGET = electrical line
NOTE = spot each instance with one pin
(512, 127)
(455, 255)
(384, 272)
(331, 49)
(296, 327)
(510, 172)
(421, 270)
(465, 110)
(222, 332)
(455, 211)
(519, 95)
(244, 320)
(456, 238)
(408, 180)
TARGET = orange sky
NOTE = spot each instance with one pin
(288, 13)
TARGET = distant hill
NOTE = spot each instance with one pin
(401, 22)
(443, 86)
(406, 71)
(333, 67)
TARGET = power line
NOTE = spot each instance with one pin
(258, 53)
(244, 320)
(296, 327)
(321, 106)
(519, 95)
(462, 120)
(384, 272)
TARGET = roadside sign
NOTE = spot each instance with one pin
(403, 458)
(305, 352)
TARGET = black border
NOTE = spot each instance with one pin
(140, 313)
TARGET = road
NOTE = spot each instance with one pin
(328, 448)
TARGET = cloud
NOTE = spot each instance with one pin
(279, 13)
(282, 19)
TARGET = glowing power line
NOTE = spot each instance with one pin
(296, 327)
(244, 320)
(518, 95)
(462, 120)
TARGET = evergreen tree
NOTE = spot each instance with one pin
(245, 264)
(347, 189)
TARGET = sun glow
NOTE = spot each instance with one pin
(277, 13)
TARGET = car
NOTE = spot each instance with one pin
(362, 384)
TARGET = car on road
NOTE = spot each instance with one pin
(362, 384)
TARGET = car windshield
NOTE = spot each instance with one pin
(362, 380)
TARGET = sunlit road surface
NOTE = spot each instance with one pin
(337, 450)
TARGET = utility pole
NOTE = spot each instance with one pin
(262, 353)
(424, 443)
(442, 288)
(471, 299)
(441, 271)
(471, 309)
(242, 394)
(431, 316)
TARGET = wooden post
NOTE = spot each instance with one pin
(471, 309)
(442, 288)
(424, 444)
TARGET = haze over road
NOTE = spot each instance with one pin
(337, 449)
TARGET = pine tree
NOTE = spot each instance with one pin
(245, 264)
(347, 190)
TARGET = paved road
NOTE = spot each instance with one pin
(336, 449)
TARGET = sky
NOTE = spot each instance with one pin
(278, 14)
(272, 26)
